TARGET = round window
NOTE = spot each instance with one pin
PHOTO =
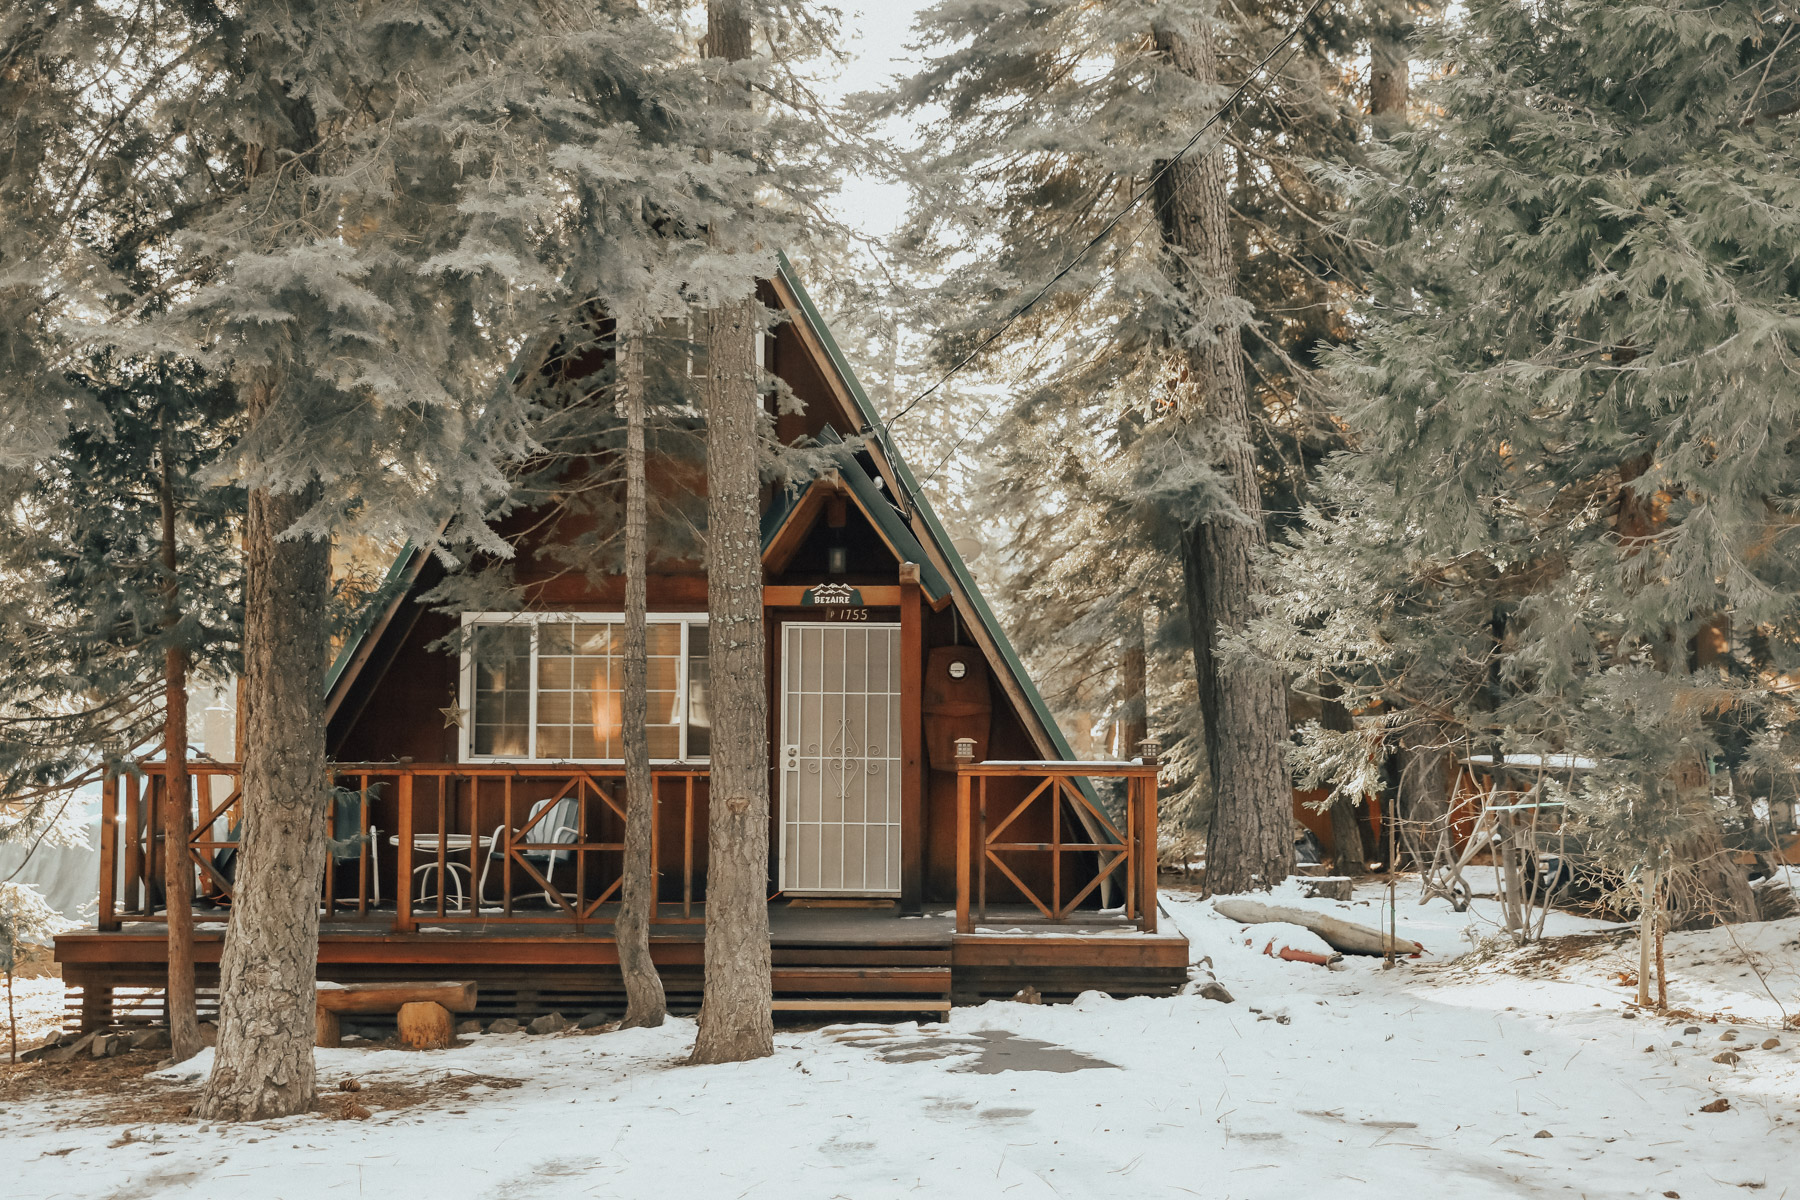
(958, 669)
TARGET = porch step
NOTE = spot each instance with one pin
(861, 989)
(909, 981)
(919, 1005)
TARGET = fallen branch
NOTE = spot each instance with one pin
(1343, 935)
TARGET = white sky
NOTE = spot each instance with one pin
(876, 33)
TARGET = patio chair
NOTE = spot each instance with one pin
(562, 826)
(347, 838)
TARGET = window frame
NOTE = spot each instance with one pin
(534, 621)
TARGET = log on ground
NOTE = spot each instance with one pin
(1346, 936)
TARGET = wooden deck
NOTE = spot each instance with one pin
(861, 958)
(530, 909)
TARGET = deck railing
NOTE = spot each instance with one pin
(453, 843)
(1124, 858)
(461, 843)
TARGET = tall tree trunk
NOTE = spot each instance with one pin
(645, 1005)
(264, 1067)
(1348, 855)
(178, 826)
(1388, 70)
(735, 1018)
(1250, 843)
(1134, 688)
(735, 1021)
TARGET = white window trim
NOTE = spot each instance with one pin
(533, 620)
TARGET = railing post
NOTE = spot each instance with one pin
(134, 850)
(403, 917)
(1150, 750)
(1134, 790)
(109, 851)
(965, 758)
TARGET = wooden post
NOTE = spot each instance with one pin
(109, 852)
(965, 757)
(655, 845)
(403, 917)
(504, 845)
(687, 849)
(912, 741)
(328, 1030)
(1150, 750)
(96, 1006)
(134, 849)
(1134, 803)
(426, 1025)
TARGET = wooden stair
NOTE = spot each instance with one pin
(817, 983)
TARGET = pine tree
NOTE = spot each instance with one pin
(120, 556)
(1057, 114)
(1562, 529)
(53, 144)
(435, 153)
(645, 1004)
(683, 201)
(735, 1022)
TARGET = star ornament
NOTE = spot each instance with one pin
(454, 715)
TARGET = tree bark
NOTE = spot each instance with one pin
(264, 1066)
(178, 827)
(1348, 855)
(1388, 70)
(735, 1021)
(1250, 843)
(735, 1018)
(1134, 688)
(645, 1005)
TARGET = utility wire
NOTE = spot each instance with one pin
(1113, 222)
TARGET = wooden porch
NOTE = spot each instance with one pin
(510, 876)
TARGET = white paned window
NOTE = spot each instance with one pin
(549, 687)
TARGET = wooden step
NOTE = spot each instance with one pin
(862, 956)
(865, 981)
(922, 1004)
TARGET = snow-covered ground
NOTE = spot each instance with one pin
(1434, 1079)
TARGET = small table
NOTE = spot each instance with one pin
(451, 843)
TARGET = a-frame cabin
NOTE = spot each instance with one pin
(479, 819)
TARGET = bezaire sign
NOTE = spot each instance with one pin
(831, 595)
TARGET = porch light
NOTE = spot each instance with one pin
(837, 561)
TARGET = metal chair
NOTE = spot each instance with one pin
(348, 838)
(562, 826)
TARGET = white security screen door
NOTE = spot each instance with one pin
(840, 762)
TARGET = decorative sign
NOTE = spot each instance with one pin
(831, 595)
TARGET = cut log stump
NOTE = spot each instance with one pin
(1332, 887)
(336, 998)
(426, 1025)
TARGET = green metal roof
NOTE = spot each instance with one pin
(365, 620)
